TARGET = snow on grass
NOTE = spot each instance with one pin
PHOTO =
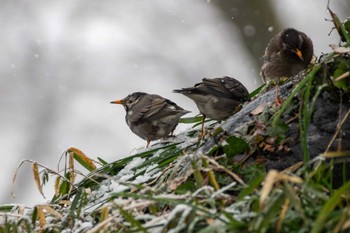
(116, 184)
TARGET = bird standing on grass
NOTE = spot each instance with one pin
(217, 98)
(149, 116)
(287, 53)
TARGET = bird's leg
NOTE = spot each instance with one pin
(148, 142)
(282, 80)
(277, 100)
(203, 130)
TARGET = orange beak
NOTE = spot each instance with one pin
(117, 102)
(299, 54)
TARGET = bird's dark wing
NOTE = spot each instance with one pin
(146, 107)
(158, 107)
(151, 105)
(226, 87)
(198, 88)
(273, 49)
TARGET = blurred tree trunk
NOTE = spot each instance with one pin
(248, 16)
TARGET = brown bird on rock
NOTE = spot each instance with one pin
(217, 98)
(150, 116)
(287, 53)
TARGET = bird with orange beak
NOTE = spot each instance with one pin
(150, 116)
(287, 53)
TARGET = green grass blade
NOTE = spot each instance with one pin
(329, 206)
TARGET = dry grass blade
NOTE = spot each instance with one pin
(36, 176)
(329, 206)
(39, 165)
(210, 172)
(339, 126)
(271, 178)
(267, 187)
(335, 154)
(99, 227)
(176, 182)
(220, 167)
(71, 168)
(35, 173)
(57, 185)
(294, 167)
(15, 176)
(138, 205)
(83, 159)
(346, 225)
(282, 215)
(51, 211)
(343, 76)
(41, 216)
(161, 174)
(104, 213)
(344, 222)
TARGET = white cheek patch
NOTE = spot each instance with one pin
(172, 107)
(130, 113)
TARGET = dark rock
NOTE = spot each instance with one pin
(328, 113)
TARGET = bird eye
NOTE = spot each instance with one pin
(130, 102)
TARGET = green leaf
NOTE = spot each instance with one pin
(197, 174)
(254, 184)
(214, 150)
(329, 206)
(341, 66)
(131, 219)
(34, 215)
(104, 162)
(347, 25)
(7, 208)
(84, 160)
(256, 91)
(234, 224)
(65, 186)
(215, 228)
(341, 28)
(279, 130)
(268, 215)
(45, 176)
(235, 146)
(190, 120)
(188, 186)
